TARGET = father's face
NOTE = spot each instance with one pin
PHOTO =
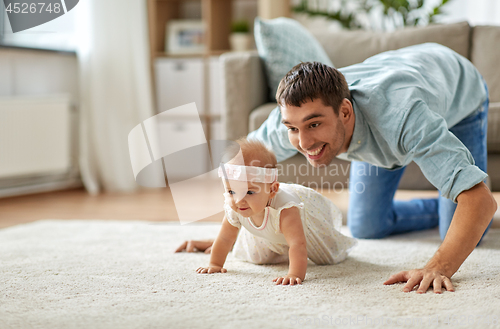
(315, 130)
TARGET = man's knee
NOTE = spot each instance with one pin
(366, 230)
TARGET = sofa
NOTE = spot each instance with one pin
(246, 100)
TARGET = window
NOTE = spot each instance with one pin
(58, 34)
(2, 21)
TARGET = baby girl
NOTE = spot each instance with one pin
(282, 222)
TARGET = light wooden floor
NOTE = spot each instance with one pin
(148, 205)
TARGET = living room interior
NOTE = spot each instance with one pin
(75, 89)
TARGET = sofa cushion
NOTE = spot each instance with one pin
(484, 55)
(351, 47)
(283, 43)
(494, 128)
(259, 115)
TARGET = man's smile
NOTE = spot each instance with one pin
(316, 153)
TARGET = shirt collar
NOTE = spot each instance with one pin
(360, 131)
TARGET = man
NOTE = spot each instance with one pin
(420, 103)
(423, 103)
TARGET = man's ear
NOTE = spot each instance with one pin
(346, 110)
(274, 189)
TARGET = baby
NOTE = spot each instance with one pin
(283, 222)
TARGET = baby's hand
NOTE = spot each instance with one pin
(210, 270)
(288, 279)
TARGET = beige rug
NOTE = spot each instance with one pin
(102, 274)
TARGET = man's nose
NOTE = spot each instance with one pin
(305, 140)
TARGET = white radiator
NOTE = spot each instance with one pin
(35, 135)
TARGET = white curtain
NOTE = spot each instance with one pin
(116, 92)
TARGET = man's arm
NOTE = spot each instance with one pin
(475, 209)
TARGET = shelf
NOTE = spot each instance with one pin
(202, 117)
(205, 54)
(217, 18)
(217, 15)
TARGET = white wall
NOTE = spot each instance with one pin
(26, 73)
(476, 12)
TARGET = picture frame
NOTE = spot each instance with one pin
(185, 36)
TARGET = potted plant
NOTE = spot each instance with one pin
(240, 38)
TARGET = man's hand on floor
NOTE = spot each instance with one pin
(424, 278)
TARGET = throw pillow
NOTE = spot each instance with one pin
(283, 43)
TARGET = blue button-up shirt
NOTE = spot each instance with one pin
(404, 103)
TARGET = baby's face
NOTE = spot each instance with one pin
(250, 200)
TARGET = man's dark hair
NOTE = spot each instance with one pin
(310, 81)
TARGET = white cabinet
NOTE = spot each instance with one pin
(190, 162)
(179, 82)
(187, 80)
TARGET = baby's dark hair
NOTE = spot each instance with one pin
(312, 80)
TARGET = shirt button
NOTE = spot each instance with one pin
(359, 142)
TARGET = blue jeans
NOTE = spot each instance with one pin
(373, 212)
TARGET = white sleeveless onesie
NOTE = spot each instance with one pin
(321, 221)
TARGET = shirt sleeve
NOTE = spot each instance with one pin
(275, 135)
(443, 158)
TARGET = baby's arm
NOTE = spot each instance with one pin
(291, 226)
(221, 247)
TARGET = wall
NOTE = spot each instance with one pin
(32, 72)
(25, 72)
(476, 12)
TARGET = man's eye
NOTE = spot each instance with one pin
(314, 125)
(292, 129)
(231, 192)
